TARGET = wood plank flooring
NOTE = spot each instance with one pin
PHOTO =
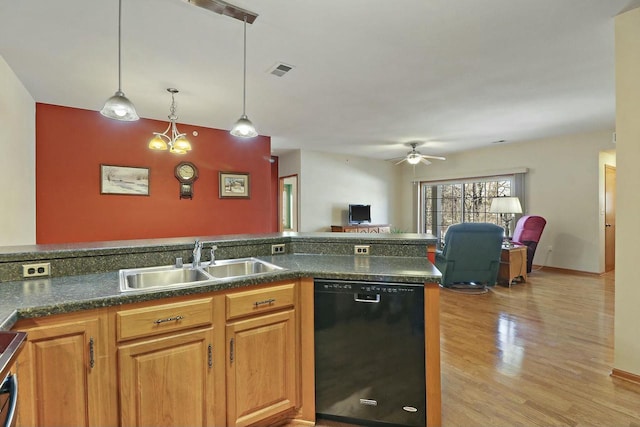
(536, 354)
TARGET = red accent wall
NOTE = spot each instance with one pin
(71, 144)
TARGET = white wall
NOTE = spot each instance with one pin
(562, 185)
(627, 296)
(328, 183)
(17, 165)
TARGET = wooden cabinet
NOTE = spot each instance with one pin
(513, 264)
(166, 364)
(64, 371)
(229, 358)
(362, 228)
(262, 366)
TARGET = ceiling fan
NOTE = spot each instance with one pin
(414, 157)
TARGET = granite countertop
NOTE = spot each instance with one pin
(37, 298)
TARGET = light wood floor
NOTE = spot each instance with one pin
(536, 354)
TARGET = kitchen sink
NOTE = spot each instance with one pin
(160, 277)
(170, 277)
(240, 267)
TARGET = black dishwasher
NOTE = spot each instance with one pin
(369, 352)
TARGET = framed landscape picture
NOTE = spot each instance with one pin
(127, 180)
(234, 185)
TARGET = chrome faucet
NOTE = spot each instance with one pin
(197, 252)
(213, 255)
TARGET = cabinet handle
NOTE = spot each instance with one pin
(170, 319)
(231, 351)
(92, 361)
(266, 301)
(210, 355)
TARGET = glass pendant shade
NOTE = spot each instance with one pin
(244, 128)
(118, 107)
(182, 144)
(157, 143)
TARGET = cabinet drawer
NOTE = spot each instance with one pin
(258, 301)
(163, 318)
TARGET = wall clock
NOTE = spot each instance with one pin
(187, 173)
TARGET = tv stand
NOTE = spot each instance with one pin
(362, 228)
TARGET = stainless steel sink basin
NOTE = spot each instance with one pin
(160, 277)
(170, 277)
(240, 267)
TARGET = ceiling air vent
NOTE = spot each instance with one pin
(280, 69)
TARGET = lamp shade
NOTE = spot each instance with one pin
(118, 107)
(244, 128)
(504, 205)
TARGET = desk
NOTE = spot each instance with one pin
(513, 264)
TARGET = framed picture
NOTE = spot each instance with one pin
(124, 180)
(234, 185)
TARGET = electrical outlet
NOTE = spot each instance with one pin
(277, 249)
(36, 270)
(361, 249)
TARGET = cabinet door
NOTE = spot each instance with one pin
(61, 373)
(168, 381)
(261, 369)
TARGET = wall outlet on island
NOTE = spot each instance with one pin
(36, 270)
(277, 249)
(361, 249)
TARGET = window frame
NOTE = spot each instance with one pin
(516, 188)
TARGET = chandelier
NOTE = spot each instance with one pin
(175, 142)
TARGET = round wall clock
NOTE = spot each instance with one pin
(187, 173)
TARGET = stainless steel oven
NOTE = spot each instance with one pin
(8, 401)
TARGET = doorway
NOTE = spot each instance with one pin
(288, 203)
(609, 218)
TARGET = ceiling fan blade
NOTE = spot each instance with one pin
(403, 160)
(424, 156)
(425, 161)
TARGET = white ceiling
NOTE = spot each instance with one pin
(369, 77)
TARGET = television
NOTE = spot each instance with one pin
(359, 214)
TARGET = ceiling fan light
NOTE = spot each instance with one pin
(413, 159)
(118, 107)
(244, 128)
(157, 143)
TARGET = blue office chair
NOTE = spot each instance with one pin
(471, 254)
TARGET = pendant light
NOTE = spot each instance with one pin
(118, 107)
(243, 127)
(176, 142)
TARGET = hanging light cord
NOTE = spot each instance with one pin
(119, 46)
(244, 70)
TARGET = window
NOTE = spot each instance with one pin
(444, 203)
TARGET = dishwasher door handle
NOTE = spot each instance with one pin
(10, 386)
(367, 298)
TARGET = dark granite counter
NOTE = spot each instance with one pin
(37, 298)
(102, 257)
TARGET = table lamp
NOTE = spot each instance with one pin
(506, 207)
